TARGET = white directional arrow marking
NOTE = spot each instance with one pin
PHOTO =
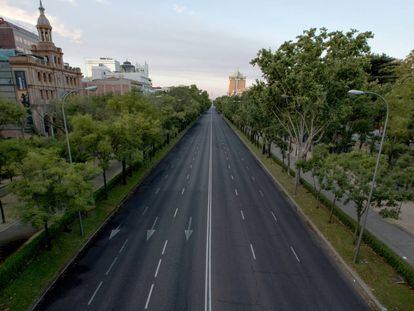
(114, 232)
(188, 232)
(151, 231)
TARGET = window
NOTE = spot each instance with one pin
(21, 81)
(50, 77)
(39, 76)
(41, 94)
(44, 77)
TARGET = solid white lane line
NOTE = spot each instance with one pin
(274, 216)
(94, 293)
(145, 210)
(158, 190)
(182, 191)
(294, 253)
(112, 264)
(123, 246)
(232, 177)
(235, 191)
(207, 286)
(261, 193)
(242, 214)
(253, 254)
(149, 297)
(176, 210)
(165, 246)
(158, 268)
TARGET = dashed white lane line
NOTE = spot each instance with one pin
(247, 167)
(252, 250)
(294, 253)
(158, 190)
(94, 293)
(182, 191)
(253, 178)
(112, 264)
(188, 176)
(228, 166)
(236, 192)
(175, 213)
(232, 177)
(274, 216)
(261, 193)
(149, 297)
(165, 247)
(145, 210)
(158, 268)
(166, 176)
(191, 166)
(123, 246)
(242, 214)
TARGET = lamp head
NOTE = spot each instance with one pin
(356, 92)
(91, 88)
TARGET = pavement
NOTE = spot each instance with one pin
(395, 236)
(207, 230)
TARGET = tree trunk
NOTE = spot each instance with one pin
(124, 177)
(269, 150)
(356, 231)
(332, 209)
(105, 184)
(47, 237)
(314, 187)
(3, 218)
(264, 148)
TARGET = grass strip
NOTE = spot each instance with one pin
(376, 273)
(20, 294)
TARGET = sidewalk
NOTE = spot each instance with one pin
(14, 233)
(401, 241)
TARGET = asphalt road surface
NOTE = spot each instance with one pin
(207, 230)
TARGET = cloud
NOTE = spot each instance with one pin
(178, 8)
(20, 15)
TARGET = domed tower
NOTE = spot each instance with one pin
(43, 26)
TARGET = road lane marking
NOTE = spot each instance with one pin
(112, 264)
(207, 288)
(188, 176)
(149, 296)
(274, 216)
(166, 176)
(182, 191)
(165, 246)
(253, 254)
(247, 167)
(235, 191)
(158, 268)
(242, 214)
(228, 166)
(145, 210)
(188, 232)
(253, 178)
(232, 177)
(123, 246)
(261, 193)
(191, 166)
(158, 190)
(94, 293)
(294, 253)
(151, 231)
(175, 213)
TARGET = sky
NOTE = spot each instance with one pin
(203, 41)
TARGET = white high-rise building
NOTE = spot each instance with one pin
(103, 63)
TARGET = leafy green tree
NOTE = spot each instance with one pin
(11, 114)
(50, 187)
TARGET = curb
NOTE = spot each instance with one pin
(361, 287)
(86, 244)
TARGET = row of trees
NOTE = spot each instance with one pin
(302, 106)
(128, 128)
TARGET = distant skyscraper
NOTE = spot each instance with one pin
(237, 83)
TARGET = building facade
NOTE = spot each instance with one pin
(237, 84)
(103, 63)
(127, 71)
(113, 85)
(13, 37)
(42, 76)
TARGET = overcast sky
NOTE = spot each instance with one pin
(203, 41)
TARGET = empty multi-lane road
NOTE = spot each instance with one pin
(207, 230)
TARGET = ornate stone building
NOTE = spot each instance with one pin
(42, 76)
(237, 83)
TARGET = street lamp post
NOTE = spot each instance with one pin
(89, 88)
(364, 221)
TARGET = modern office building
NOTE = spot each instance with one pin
(237, 83)
(13, 37)
(103, 63)
(42, 76)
